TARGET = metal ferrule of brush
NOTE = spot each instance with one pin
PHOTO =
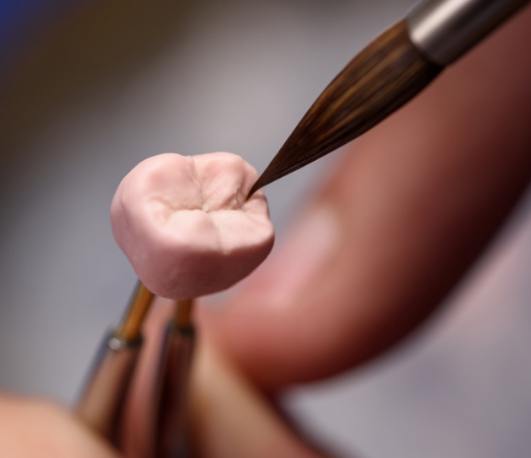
(101, 402)
(443, 30)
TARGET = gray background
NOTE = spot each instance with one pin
(118, 81)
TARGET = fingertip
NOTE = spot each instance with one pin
(38, 427)
(231, 419)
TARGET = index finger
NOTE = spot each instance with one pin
(406, 212)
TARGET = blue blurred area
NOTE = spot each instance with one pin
(19, 19)
(16, 15)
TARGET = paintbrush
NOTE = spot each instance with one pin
(387, 74)
(101, 403)
(175, 368)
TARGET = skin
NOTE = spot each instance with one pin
(405, 215)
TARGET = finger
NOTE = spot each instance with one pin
(36, 428)
(408, 209)
(231, 419)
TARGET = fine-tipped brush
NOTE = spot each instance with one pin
(179, 341)
(101, 402)
(385, 75)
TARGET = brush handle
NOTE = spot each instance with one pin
(173, 428)
(443, 30)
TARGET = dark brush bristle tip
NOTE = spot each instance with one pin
(379, 80)
(253, 189)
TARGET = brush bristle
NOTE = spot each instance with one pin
(384, 76)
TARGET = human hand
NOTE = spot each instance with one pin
(229, 418)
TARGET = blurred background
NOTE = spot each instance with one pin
(88, 89)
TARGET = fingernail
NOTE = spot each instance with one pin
(308, 246)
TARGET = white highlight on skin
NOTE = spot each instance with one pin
(308, 246)
(186, 226)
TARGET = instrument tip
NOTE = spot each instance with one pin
(184, 312)
(131, 326)
(254, 188)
